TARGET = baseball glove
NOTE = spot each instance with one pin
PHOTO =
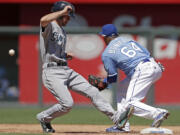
(97, 82)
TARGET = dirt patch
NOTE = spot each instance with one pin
(74, 129)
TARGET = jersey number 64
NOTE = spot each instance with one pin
(130, 52)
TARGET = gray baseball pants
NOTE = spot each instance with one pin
(58, 80)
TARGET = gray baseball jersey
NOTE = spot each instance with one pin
(53, 43)
(59, 79)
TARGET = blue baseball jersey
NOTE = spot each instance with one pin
(124, 54)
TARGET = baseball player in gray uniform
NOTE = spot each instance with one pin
(58, 78)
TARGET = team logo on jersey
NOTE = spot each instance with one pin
(56, 37)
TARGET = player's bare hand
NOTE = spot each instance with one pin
(67, 9)
(69, 56)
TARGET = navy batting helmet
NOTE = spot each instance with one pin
(60, 5)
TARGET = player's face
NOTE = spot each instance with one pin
(107, 39)
(64, 20)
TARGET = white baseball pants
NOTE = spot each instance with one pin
(131, 91)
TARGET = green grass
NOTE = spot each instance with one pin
(78, 115)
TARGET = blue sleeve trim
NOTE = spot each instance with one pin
(112, 78)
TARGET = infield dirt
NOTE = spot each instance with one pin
(74, 129)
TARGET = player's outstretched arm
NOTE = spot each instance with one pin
(46, 19)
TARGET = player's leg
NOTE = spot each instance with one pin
(57, 86)
(121, 93)
(80, 85)
(145, 75)
(121, 96)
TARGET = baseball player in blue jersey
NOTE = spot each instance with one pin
(141, 70)
(58, 78)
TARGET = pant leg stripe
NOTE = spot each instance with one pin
(139, 108)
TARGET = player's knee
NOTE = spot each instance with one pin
(131, 103)
(39, 116)
(67, 105)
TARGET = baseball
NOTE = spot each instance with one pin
(11, 52)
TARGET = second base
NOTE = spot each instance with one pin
(152, 130)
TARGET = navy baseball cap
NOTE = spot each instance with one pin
(108, 30)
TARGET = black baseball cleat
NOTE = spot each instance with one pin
(47, 128)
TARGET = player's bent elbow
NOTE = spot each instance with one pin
(43, 22)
